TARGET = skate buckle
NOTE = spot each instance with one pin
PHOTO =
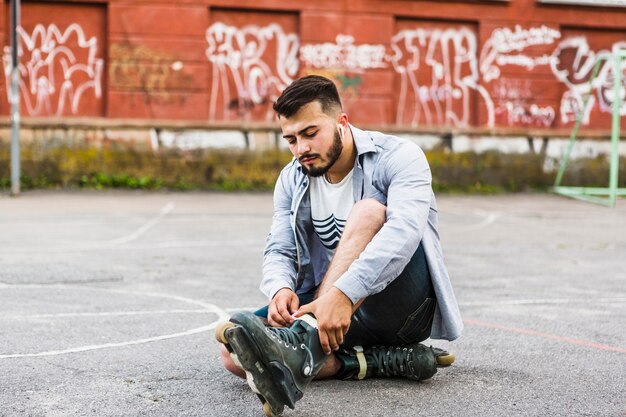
(362, 362)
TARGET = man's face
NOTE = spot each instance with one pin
(313, 138)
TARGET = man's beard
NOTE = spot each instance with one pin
(332, 156)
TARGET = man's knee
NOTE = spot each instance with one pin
(367, 213)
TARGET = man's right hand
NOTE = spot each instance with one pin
(282, 306)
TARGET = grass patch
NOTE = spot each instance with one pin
(126, 167)
(130, 168)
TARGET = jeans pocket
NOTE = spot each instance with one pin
(418, 324)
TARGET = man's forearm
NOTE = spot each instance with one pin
(366, 219)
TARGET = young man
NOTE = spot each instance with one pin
(353, 267)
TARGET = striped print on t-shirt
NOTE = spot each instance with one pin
(330, 206)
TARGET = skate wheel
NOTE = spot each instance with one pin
(446, 360)
(220, 331)
(267, 410)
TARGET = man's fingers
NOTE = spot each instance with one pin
(274, 317)
(324, 342)
(284, 314)
(332, 341)
(270, 314)
(339, 337)
(271, 320)
(307, 308)
(294, 304)
(275, 320)
(329, 339)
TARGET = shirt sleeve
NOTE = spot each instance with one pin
(409, 196)
(280, 257)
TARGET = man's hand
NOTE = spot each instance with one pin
(282, 306)
(333, 311)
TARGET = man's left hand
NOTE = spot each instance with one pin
(333, 311)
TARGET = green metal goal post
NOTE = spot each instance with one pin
(600, 195)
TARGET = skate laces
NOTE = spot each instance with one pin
(394, 361)
(285, 336)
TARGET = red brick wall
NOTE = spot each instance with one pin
(405, 62)
(62, 59)
(157, 67)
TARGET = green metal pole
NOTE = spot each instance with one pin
(615, 130)
(579, 120)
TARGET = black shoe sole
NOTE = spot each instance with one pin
(260, 376)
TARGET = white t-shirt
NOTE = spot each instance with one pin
(330, 206)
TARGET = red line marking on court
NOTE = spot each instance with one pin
(563, 339)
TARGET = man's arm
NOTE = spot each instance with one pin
(409, 196)
(280, 257)
(332, 308)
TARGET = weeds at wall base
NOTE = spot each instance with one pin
(124, 167)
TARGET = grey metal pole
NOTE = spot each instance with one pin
(14, 98)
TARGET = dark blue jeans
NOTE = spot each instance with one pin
(401, 313)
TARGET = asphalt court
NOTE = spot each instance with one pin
(108, 301)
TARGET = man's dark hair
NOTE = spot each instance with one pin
(306, 90)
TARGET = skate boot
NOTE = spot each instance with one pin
(279, 362)
(413, 361)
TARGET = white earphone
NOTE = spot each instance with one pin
(341, 131)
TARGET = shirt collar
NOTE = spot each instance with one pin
(363, 142)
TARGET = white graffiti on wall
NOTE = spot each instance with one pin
(243, 57)
(571, 62)
(505, 47)
(528, 115)
(450, 56)
(442, 74)
(514, 99)
(49, 49)
(512, 89)
(605, 86)
(576, 72)
(343, 54)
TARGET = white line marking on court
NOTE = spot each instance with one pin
(488, 219)
(144, 228)
(104, 314)
(244, 243)
(111, 345)
(201, 244)
(492, 217)
(107, 244)
(206, 307)
(242, 309)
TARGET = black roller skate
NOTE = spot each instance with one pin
(413, 361)
(279, 362)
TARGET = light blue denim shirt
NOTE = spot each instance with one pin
(392, 171)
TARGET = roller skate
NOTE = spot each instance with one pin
(279, 362)
(413, 361)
